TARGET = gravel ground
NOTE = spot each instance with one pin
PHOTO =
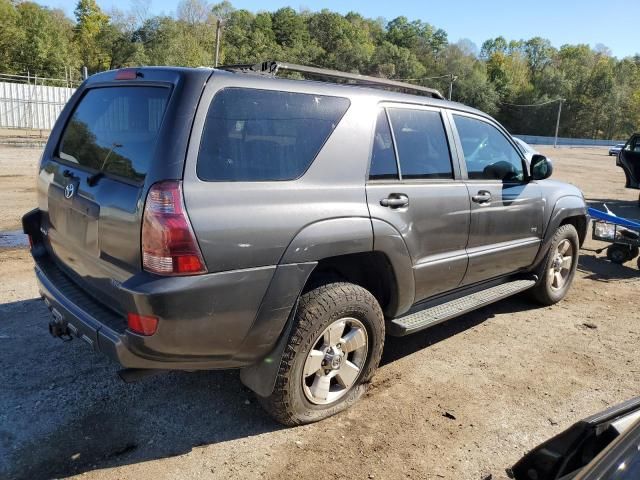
(507, 377)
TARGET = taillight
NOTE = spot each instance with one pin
(169, 246)
(142, 324)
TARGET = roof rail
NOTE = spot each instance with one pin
(273, 67)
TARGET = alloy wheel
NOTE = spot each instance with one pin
(335, 361)
(560, 268)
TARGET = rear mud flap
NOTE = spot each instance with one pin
(261, 377)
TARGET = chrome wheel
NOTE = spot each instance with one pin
(335, 361)
(560, 268)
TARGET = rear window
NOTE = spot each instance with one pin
(114, 130)
(257, 135)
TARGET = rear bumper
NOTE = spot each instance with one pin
(82, 323)
(105, 331)
(220, 320)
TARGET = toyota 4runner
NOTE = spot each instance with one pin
(196, 219)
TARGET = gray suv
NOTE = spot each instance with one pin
(196, 219)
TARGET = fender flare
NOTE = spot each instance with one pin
(328, 238)
(272, 326)
(388, 240)
(565, 207)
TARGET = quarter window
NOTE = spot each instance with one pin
(383, 157)
(422, 144)
(488, 154)
(256, 135)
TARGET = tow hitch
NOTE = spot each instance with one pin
(57, 326)
(59, 329)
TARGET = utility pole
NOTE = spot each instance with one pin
(218, 28)
(452, 78)
(555, 142)
(85, 73)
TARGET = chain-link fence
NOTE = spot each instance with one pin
(32, 102)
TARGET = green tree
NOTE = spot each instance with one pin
(43, 46)
(11, 35)
(90, 23)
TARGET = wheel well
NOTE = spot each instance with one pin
(370, 270)
(580, 223)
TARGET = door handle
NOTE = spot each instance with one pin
(395, 200)
(483, 196)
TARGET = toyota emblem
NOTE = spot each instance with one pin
(69, 190)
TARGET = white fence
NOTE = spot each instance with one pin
(25, 105)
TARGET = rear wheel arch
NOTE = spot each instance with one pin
(371, 270)
(360, 241)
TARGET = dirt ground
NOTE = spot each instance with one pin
(509, 376)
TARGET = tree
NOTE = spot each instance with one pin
(601, 92)
(493, 46)
(193, 12)
(43, 46)
(11, 35)
(90, 22)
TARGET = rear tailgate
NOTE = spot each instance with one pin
(113, 141)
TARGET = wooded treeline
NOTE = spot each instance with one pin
(601, 92)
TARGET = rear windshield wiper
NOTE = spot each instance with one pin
(93, 179)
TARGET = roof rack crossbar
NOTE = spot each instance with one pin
(273, 67)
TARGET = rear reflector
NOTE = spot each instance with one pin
(169, 246)
(142, 324)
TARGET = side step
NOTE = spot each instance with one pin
(430, 316)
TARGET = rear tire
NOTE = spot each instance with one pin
(559, 267)
(333, 351)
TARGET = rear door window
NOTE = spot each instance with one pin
(114, 130)
(259, 135)
(422, 144)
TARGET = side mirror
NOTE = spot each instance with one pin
(541, 167)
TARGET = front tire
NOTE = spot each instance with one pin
(334, 349)
(559, 267)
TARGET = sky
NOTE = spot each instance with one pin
(561, 21)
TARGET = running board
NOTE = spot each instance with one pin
(432, 315)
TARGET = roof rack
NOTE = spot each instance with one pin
(272, 68)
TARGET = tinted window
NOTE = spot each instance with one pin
(383, 157)
(422, 143)
(265, 135)
(115, 130)
(487, 153)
